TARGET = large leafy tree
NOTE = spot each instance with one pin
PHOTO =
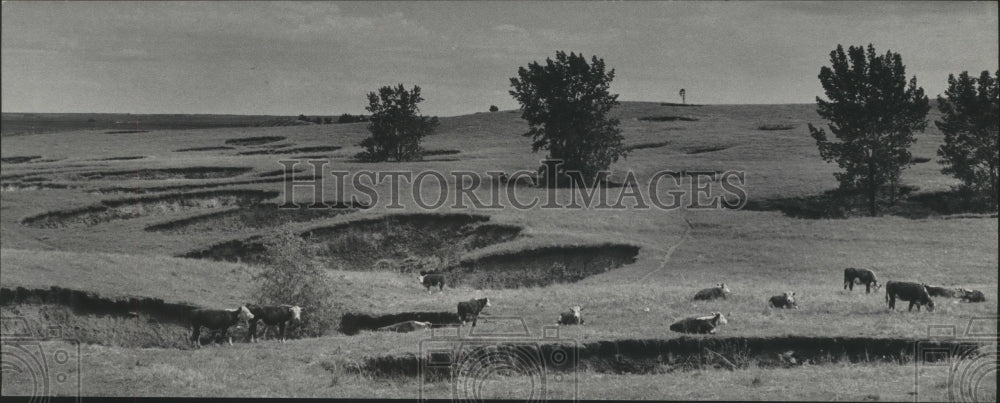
(874, 113)
(971, 127)
(396, 125)
(566, 103)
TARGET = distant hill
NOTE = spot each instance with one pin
(12, 124)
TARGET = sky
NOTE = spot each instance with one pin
(322, 58)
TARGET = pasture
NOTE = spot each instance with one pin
(172, 215)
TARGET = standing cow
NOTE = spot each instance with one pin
(469, 310)
(786, 300)
(862, 276)
(279, 315)
(719, 291)
(701, 324)
(216, 319)
(916, 293)
(430, 279)
(572, 317)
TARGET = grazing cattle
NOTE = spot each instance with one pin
(271, 315)
(701, 324)
(405, 327)
(217, 319)
(719, 291)
(786, 300)
(916, 293)
(941, 292)
(471, 309)
(968, 295)
(861, 276)
(571, 318)
(431, 279)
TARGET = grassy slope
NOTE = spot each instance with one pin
(758, 253)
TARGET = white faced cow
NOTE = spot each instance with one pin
(572, 317)
(216, 319)
(720, 290)
(279, 315)
(700, 324)
(786, 300)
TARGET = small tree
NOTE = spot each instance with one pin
(396, 125)
(874, 114)
(971, 126)
(566, 103)
(494, 108)
(293, 277)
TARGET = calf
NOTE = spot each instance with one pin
(916, 293)
(862, 276)
(571, 318)
(719, 291)
(278, 315)
(702, 324)
(968, 295)
(431, 279)
(941, 292)
(786, 300)
(217, 319)
(405, 327)
(471, 309)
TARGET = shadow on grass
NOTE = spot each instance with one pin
(846, 204)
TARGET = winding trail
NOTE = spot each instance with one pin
(670, 251)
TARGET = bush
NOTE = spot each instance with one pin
(293, 276)
(493, 108)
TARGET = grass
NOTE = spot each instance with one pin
(757, 253)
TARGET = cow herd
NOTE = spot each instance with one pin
(917, 294)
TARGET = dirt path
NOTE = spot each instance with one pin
(670, 251)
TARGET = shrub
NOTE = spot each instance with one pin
(292, 276)
(494, 108)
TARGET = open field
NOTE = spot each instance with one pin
(85, 215)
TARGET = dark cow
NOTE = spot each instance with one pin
(701, 324)
(571, 318)
(719, 291)
(941, 292)
(272, 315)
(217, 319)
(786, 300)
(405, 327)
(471, 309)
(916, 293)
(861, 276)
(431, 279)
(968, 295)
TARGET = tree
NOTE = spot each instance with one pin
(874, 113)
(566, 103)
(494, 108)
(292, 276)
(396, 125)
(971, 126)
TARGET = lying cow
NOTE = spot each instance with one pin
(571, 318)
(719, 291)
(786, 300)
(471, 309)
(218, 320)
(272, 315)
(941, 292)
(916, 293)
(431, 279)
(701, 324)
(405, 327)
(968, 295)
(861, 276)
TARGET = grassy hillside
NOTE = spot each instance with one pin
(87, 216)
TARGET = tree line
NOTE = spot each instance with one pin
(873, 113)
